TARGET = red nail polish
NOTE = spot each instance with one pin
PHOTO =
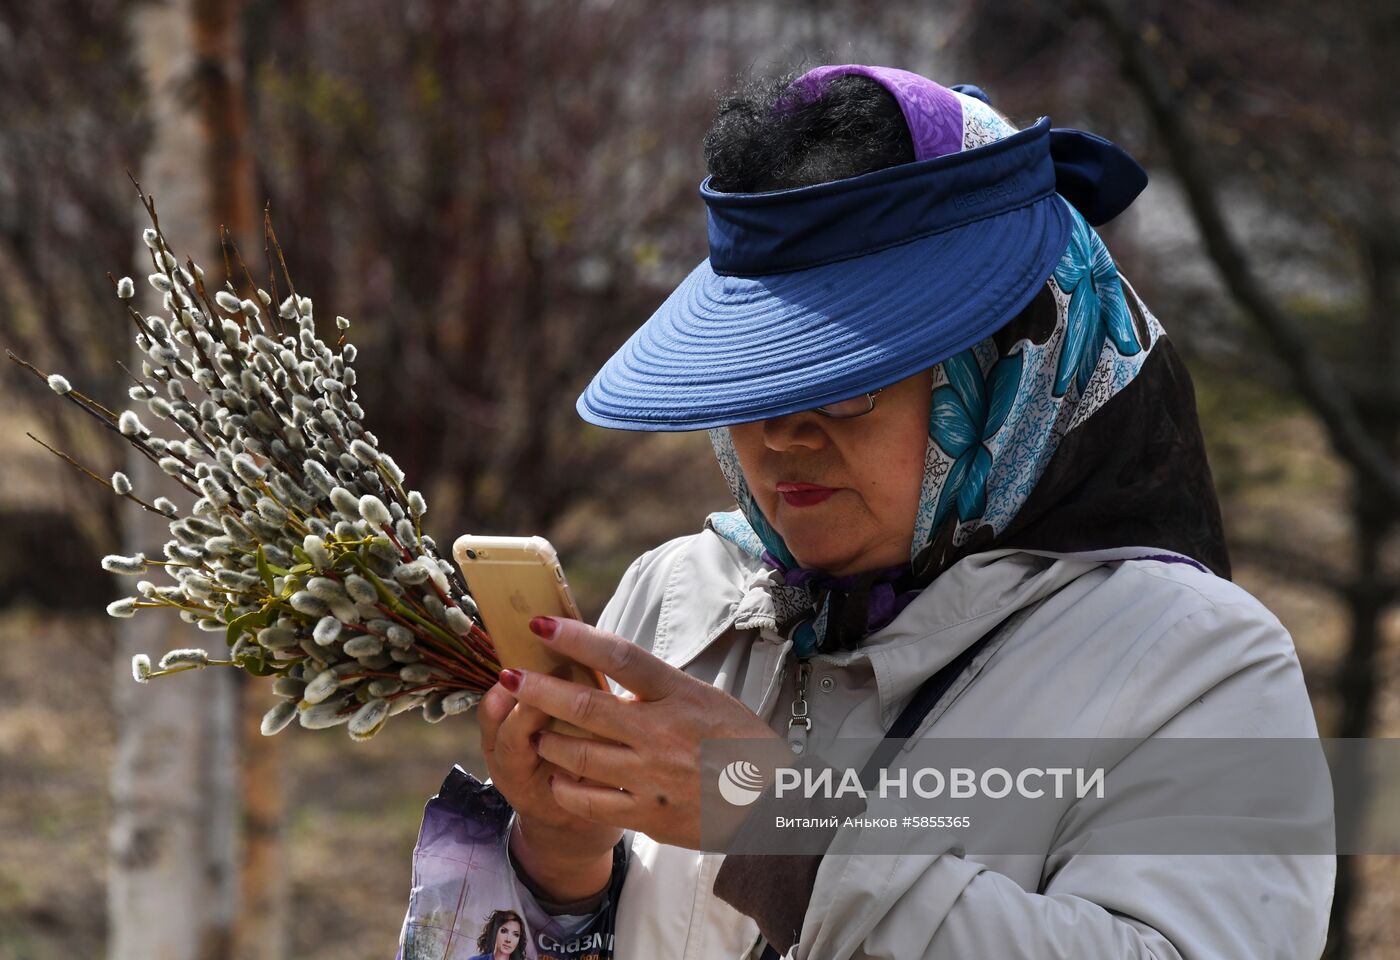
(510, 679)
(544, 626)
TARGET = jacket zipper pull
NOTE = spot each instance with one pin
(800, 724)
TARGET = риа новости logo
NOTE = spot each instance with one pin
(740, 783)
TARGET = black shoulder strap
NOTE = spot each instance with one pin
(919, 705)
(909, 719)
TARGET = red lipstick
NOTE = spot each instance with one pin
(803, 494)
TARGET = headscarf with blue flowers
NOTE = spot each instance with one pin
(1071, 428)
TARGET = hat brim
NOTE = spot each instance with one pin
(723, 350)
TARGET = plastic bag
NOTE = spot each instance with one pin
(466, 902)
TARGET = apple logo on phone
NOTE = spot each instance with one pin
(518, 601)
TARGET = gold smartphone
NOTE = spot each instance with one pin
(513, 579)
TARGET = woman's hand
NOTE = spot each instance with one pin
(648, 777)
(567, 855)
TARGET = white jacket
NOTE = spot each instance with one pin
(1102, 647)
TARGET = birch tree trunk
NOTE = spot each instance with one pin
(175, 877)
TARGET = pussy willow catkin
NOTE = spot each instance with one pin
(300, 543)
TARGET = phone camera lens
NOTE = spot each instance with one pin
(471, 554)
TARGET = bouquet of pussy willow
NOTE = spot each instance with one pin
(301, 545)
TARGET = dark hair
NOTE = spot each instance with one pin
(764, 138)
(486, 943)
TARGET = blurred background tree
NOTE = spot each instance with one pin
(1278, 126)
(497, 193)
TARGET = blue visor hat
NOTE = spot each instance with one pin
(820, 293)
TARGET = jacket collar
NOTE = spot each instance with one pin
(714, 586)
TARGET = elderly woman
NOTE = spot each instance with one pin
(973, 502)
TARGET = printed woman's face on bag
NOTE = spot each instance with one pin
(842, 493)
(507, 938)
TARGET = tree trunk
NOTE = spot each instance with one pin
(174, 878)
(1372, 592)
(260, 932)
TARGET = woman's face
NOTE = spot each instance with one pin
(507, 938)
(842, 493)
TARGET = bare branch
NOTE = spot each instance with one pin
(1314, 379)
(1300, 567)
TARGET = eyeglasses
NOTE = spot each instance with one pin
(849, 409)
